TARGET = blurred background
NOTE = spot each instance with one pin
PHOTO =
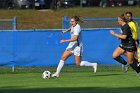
(55, 4)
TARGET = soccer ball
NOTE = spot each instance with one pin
(46, 75)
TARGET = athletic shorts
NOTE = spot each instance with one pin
(129, 48)
(75, 49)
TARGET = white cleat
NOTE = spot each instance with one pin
(55, 75)
(95, 67)
(138, 74)
(125, 67)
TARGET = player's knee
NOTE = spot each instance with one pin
(63, 58)
(114, 57)
(130, 61)
(125, 54)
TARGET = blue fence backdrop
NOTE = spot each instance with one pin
(42, 48)
(96, 22)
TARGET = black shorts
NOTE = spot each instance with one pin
(129, 48)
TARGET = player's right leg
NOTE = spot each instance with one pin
(65, 55)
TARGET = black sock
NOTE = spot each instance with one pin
(135, 66)
(120, 60)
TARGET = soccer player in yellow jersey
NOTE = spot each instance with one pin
(133, 25)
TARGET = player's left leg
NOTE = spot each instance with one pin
(135, 60)
(133, 64)
(136, 53)
(65, 55)
(85, 63)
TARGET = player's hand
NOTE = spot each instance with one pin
(62, 41)
(112, 32)
(64, 31)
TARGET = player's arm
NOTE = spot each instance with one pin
(118, 35)
(75, 37)
(66, 30)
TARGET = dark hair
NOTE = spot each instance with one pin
(129, 13)
(122, 17)
(76, 18)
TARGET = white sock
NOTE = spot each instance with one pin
(86, 63)
(60, 66)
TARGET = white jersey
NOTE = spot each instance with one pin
(73, 45)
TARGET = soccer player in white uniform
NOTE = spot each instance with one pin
(75, 47)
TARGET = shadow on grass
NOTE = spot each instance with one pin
(107, 75)
(72, 90)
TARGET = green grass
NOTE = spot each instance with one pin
(71, 82)
(34, 19)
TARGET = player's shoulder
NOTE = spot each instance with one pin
(132, 23)
(77, 26)
(126, 25)
(135, 22)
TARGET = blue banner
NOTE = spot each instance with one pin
(43, 48)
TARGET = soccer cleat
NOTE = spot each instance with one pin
(125, 67)
(55, 75)
(95, 67)
(138, 74)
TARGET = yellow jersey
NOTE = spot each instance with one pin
(135, 30)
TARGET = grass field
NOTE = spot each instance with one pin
(48, 19)
(72, 81)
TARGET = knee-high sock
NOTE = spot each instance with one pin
(120, 60)
(86, 63)
(135, 66)
(60, 66)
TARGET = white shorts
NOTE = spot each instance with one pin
(75, 49)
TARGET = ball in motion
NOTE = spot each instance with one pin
(46, 75)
